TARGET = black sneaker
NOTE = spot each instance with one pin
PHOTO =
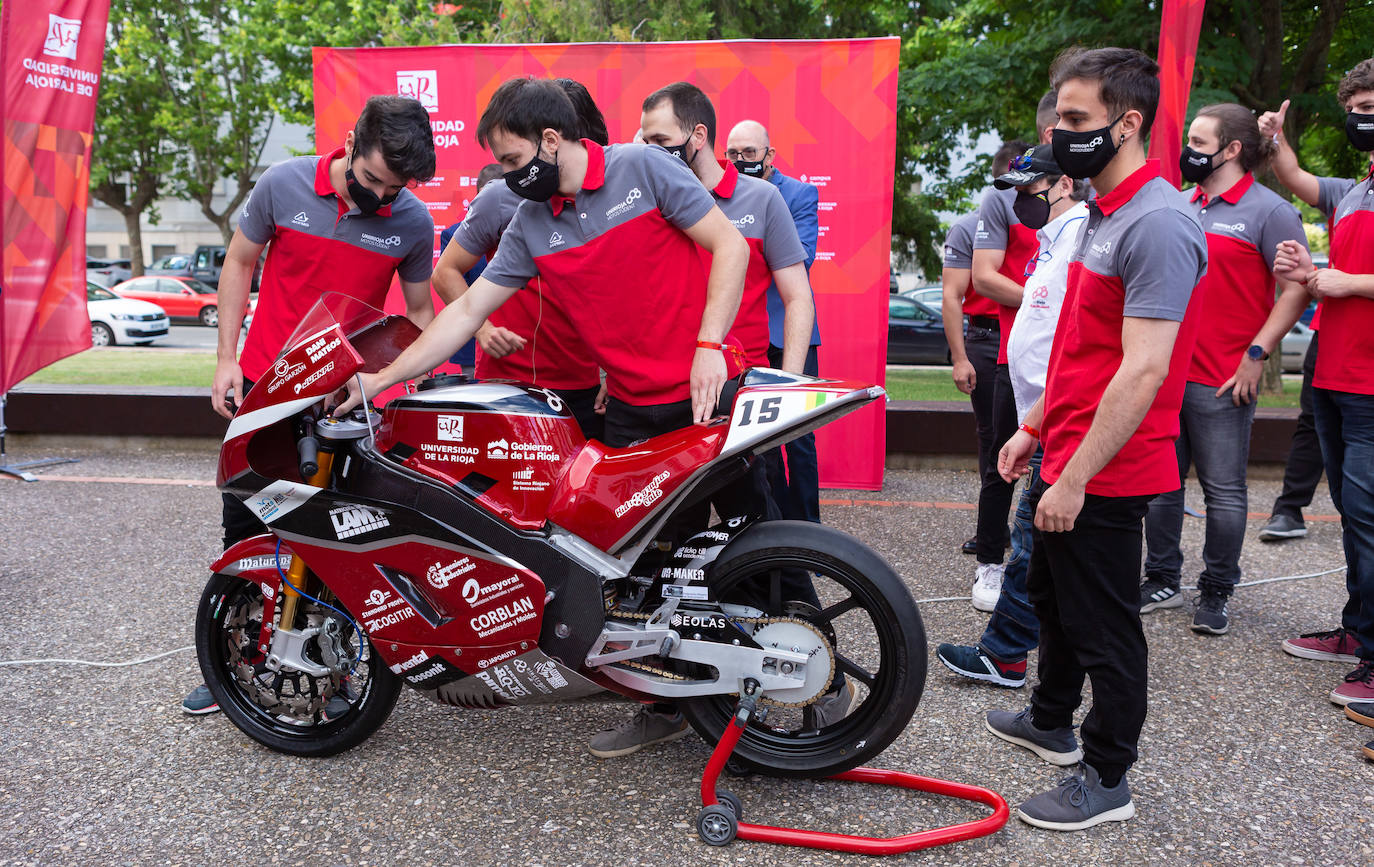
(1282, 527)
(975, 664)
(1056, 746)
(970, 547)
(1158, 593)
(1361, 712)
(1368, 750)
(1210, 614)
(1079, 802)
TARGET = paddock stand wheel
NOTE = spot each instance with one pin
(718, 822)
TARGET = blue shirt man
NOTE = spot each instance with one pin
(796, 485)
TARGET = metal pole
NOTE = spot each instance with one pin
(18, 471)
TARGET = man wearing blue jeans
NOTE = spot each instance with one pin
(1043, 193)
(1243, 221)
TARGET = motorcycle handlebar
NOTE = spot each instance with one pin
(309, 450)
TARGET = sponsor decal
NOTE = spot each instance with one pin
(312, 378)
(689, 553)
(492, 660)
(322, 347)
(266, 506)
(695, 592)
(503, 617)
(501, 450)
(440, 577)
(450, 428)
(353, 520)
(426, 675)
(408, 664)
(268, 592)
(746, 220)
(524, 480)
(419, 85)
(630, 199)
(549, 671)
(498, 688)
(509, 681)
(63, 34)
(677, 573)
(449, 454)
(264, 561)
(690, 620)
(648, 495)
(285, 372)
(378, 241)
(391, 618)
(556, 240)
(301, 219)
(523, 475)
(475, 593)
(715, 535)
(377, 597)
(498, 450)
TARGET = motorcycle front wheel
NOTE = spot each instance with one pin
(290, 712)
(876, 636)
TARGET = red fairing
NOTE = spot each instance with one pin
(606, 492)
(257, 559)
(315, 368)
(479, 603)
(524, 454)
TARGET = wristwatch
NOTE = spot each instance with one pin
(1257, 353)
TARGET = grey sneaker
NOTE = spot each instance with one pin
(644, 729)
(1210, 615)
(1282, 527)
(834, 706)
(1056, 746)
(1078, 802)
(199, 702)
(1158, 593)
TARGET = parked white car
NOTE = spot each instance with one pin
(116, 320)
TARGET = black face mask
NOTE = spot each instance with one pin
(752, 168)
(680, 151)
(1196, 166)
(1084, 154)
(368, 202)
(536, 180)
(1033, 209)
(1359, 128)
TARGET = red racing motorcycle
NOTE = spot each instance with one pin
(469, 542)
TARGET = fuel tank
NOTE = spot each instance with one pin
(507, 443)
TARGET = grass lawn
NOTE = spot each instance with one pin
(134, 365)
(935, 384)
(152, 366)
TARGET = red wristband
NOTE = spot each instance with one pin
(1030, 430)
(706, 344)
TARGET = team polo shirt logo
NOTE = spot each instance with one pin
(1103, 249)
(378, 241)
(746, 220)
(555, 240)
(621, 207)
(1234, 228)
(301, 219)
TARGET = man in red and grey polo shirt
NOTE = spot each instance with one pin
(345, 223)
(526, 340)
(1109, 416)
(1343, 387)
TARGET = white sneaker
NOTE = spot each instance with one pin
(987, 586)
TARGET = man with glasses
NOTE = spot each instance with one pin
(797, 487)
(345, 222)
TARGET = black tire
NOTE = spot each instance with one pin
(717, 825)
(731, 800)
(209, 316)
(879, 642)
(374, 686)
(102, 334)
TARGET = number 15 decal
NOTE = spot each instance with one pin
(769, 408)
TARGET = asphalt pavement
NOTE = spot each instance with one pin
(1243, 758)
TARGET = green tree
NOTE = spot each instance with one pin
(133, 151)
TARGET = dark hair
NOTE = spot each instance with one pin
(690, 107)
(1001, 161)
(525, 107)
(1127, 79)
(399, 126)
(1236, 123)
(593, 122)
(1360, 77)
(1045, 113)
(489, 173)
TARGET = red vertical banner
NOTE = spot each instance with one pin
(830, 110)
(1179, 26)
(50, 56)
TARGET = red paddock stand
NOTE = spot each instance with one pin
(718, 822)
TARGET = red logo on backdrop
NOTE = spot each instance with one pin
(420, 85)
(63, 34)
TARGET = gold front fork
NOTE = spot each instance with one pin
(296, 572)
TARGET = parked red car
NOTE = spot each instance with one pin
(181, 297)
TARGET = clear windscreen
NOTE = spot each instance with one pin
(375, 335)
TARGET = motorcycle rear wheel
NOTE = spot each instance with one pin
(372, 688)
(879, 647)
